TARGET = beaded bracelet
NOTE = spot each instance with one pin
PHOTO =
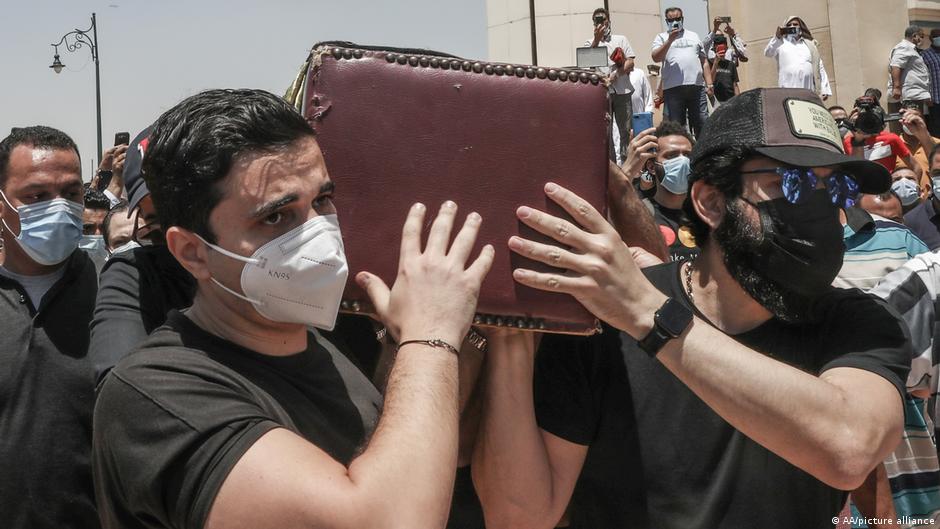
(440, 344)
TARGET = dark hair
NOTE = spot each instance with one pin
(722, 171)
(874, 92)
(600, 10)
(95, 199)
(194, 145)
(38, 136)
(934, 33)
(933, 152)
(120, 207)
(673, 128)
(672, 9)
(836, 107)
(911, 31)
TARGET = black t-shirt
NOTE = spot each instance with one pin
(725, 75)
(173, 418)
(675, 232)
(659, 457)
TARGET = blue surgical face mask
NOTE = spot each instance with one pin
(935, 41)
(907, 190)
(126, 247)
(95, 248)
(49, 230)
(676, 175)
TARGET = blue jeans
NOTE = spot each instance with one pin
(687, 100)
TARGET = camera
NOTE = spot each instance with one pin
(599, 19)
(726, 20)
(791, 30)
(675, 24)
(871, 117)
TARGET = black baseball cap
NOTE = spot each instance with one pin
(790, 125)
(133, 179)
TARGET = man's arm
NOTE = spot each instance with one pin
(740, 48)
(628, 215)
(661, 47)
(911, 163)
(523, 475)
(836, 427)
(405, 476)
(773, 45)
(707, 74)
(895, 83)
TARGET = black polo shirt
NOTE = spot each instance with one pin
(923, 221)
(46, 401)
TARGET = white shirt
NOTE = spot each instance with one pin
(35, 286)
(642, 92)
(619, 83)
(730, 53)
(683, 62)
(795, 65)
(915, 78)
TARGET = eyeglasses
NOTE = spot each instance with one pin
(668, 20)
(798, 184)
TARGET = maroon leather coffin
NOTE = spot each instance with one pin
(403, 126)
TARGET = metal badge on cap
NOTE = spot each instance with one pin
(812, 121)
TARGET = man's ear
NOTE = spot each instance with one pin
(709, 203)
(190, 251)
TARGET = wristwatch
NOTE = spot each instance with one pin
(669, 322)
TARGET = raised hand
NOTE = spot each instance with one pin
(435, 293)
(601, 273)
(641, 149)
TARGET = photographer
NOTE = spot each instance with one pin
(877, 144)
(736, 48)
(620, 58)
(799, 64)
(686, 80)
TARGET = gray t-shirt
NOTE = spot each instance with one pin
(683, 62)
(915, 78)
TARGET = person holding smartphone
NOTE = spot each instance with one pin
(735, 49)
(620, 60)
(799, 64)
(109, 178)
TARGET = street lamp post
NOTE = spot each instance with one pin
(79, 39)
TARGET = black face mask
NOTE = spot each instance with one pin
(791, 259)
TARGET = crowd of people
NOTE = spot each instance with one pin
(766, 276)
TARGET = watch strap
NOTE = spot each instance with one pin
(669, 322)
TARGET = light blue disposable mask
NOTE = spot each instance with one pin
(49, 230)
(676, 175)
(95, 247)
(907, 190)
(126, 247)
(935, 41)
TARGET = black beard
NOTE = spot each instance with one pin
(739, 240)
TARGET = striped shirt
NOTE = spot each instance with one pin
(914, 291)
(873, 249)
(931, 57)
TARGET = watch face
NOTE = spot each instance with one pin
(674, 317)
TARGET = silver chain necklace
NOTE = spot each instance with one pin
(688, 280)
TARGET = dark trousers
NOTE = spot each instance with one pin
(622, 105)
(687, 100)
